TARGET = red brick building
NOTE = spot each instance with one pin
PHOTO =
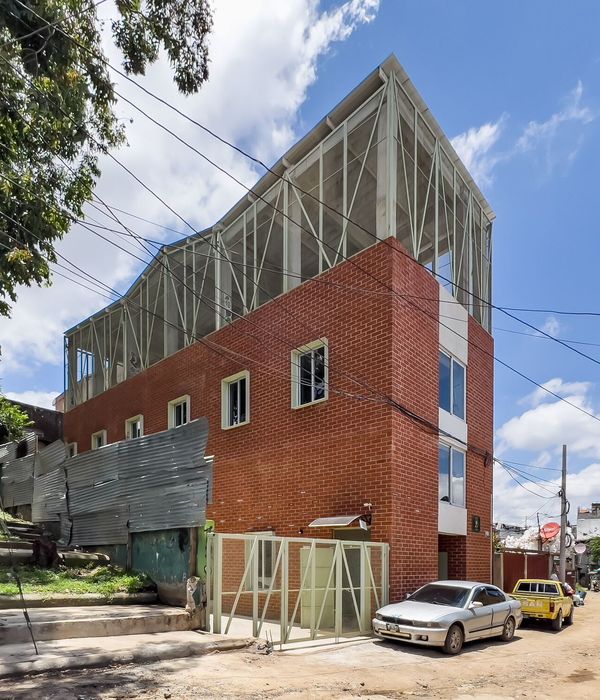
(335, 332)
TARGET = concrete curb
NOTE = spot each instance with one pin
(59, 600)
(142, 655)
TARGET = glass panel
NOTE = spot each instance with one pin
(445, 389)
(458, 478)
(319, 373)
(444, 473)
(305, 393)
(242, 399)
(458, 389)
(233, 417)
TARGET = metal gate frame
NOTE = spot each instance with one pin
(248, 584)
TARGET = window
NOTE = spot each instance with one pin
(481, 596)
(235, 400)
(134, 427)
(267, 555)
(452, 475)
(179, 411)
(452, 385)
(71, 449)
(309, 374)
(98, 439)
(85, 364)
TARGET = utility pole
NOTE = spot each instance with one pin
(563, 518)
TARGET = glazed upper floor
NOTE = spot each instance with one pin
(377, 166)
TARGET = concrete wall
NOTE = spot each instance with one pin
(164, 555)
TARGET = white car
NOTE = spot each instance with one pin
(448, 613)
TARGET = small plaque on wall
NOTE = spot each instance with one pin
(476, 523)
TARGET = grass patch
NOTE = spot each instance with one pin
(104, 580)
(8, 518)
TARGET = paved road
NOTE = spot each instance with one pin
(537, 664)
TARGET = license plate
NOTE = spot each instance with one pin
(392, 628)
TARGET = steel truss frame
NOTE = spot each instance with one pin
(366, 590)
(384, 168)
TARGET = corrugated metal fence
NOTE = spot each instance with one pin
(155, 482)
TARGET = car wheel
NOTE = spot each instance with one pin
(508, 631)
(454, 640)
(570, 619)
(557, 623)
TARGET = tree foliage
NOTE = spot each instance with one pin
(57, 111)
(594, 549)
(13, 421)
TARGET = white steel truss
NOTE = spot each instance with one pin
(385, 170)
(315, 588)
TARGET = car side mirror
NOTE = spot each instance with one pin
(476, 604)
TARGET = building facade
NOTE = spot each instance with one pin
(333, 328)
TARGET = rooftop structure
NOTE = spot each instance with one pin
(377, 166)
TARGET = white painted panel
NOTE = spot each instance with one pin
(453, 425)
(454, 326)
(452, 520)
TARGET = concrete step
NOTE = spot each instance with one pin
(93, 621)
(86, 652)
(15, 544)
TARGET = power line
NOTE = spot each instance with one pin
(527, 476)
(278, 175)
(515, 479)
(147, 188)
(49, 25)
(532, 466)
(413, 416)
(541, 337)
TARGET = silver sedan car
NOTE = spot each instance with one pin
(448, 613)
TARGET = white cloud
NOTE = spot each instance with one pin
(557, 139)
(573, 111)
(573, 391)
(552, 326)
(474, 146)
(512, 503)
(34, 398)
(264, 57)
(542, 429)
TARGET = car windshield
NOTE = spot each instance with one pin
(441, 595)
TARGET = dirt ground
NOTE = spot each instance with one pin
(538, 663)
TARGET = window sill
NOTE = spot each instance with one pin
(311, 403)
(237, 425)
(449, 413)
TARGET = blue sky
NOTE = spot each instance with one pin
(523, 77)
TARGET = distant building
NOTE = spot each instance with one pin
(588, 523)
(47, 424)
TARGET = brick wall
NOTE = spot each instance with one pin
(287, 467)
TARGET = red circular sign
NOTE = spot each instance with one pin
(549, 531)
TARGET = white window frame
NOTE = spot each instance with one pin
(71, 449)
(295, 362)
(99, 433)
(225, 384)
(456, 448)
(129, 422)
(171, 410)
(453, 361)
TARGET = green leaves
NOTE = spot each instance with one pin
(13, 421)
(57, 111)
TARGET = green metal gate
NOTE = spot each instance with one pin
(292, 589)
